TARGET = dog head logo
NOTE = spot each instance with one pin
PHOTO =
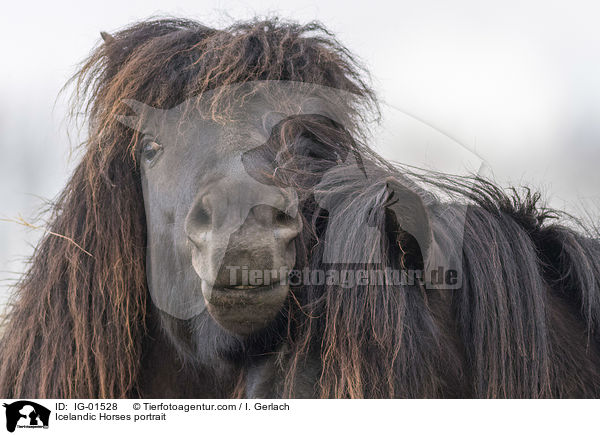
(26, 414)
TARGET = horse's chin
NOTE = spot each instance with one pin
(244, 311)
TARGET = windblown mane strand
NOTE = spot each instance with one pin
(528, 302)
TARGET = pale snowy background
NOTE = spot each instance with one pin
(517, 83)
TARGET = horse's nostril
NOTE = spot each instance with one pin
(199, 220)
(202, 217)
(202, 213)
(282, 218)
(272, 217)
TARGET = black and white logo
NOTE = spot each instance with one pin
(25, 414)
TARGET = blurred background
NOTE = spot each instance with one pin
(511, 88)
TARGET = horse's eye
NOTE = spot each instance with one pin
(151, 150)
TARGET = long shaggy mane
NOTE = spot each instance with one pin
(525, 323)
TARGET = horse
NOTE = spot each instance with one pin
(229, 233)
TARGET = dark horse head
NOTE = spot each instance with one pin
(221, 223)
(220, 164)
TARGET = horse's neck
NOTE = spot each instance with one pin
(164, 375)
(265, 377)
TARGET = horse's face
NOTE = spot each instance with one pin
(217, 238)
